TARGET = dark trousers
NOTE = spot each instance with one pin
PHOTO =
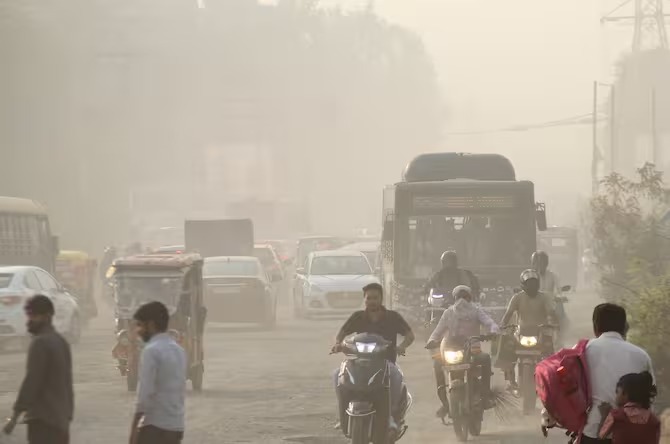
(153, 435)
(39, 432)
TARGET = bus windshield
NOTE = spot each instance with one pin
(480, 241)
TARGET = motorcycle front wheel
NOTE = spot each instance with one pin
(528, 388)
(459, 416)
(360, 429)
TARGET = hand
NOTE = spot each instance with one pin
(401, 350)
(9, 427)
(431, 345)
(336, 348)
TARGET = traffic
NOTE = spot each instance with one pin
(456, 265)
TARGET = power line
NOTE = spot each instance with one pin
(582, 119)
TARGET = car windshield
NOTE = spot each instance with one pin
(330, 265)
(133, 291)
(5, 279)
(230, 268)
(264, 255)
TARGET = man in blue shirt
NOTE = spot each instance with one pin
(159, 415)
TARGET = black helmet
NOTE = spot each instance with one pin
(539, 259)
(449, 257)
(527, 275)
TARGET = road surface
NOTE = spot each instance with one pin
(263, 387)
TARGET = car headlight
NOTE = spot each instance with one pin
(364, 347)
(528, 341)
(453, 357)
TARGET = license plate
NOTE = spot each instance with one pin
(225, 290)
(457, 367)
(528, 352)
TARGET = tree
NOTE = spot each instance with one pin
(631, 244)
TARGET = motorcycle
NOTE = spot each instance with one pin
(363, 385)
(532, 346)
(465, 388)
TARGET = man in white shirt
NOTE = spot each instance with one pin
(609, 357)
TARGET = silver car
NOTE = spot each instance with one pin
(331, 282)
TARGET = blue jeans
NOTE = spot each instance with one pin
(396, 384)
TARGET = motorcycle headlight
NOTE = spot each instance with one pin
(436, 299)
(364, 347)
(453, 357)
(528, 341)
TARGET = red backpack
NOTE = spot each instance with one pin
(562, 384)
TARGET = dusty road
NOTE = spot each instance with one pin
(262, 387)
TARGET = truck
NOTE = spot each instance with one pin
(470, 203)
(219, 237)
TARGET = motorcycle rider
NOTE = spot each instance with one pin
(459, 322)
(386, 323)
(549, 284)
(450, 276)
(532, 307)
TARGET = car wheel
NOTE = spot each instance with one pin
(74, 331)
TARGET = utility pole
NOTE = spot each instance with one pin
(648, 17)
(597, 156)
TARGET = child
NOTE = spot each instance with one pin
(632, 422)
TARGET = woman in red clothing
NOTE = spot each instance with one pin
(632, 422)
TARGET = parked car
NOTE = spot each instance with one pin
(237, 289)
(331, 283)
(17, 284)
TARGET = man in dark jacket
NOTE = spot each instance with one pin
(450, 276)
(46, 397)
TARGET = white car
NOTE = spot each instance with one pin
(331, 283)
(369, 249)
(17, 284)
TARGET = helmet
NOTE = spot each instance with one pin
(528, 274)
(449, 257)
(539, 259)
(462, 291)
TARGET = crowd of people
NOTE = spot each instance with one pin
(620, 373)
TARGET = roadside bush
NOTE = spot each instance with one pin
(631, 245)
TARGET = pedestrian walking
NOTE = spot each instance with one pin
(46, 397)
(159, 414)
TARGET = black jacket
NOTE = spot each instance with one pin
(449, 279)
(46, 393)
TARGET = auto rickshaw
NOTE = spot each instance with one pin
(176, 281)
(562, 246)
(76, 271)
